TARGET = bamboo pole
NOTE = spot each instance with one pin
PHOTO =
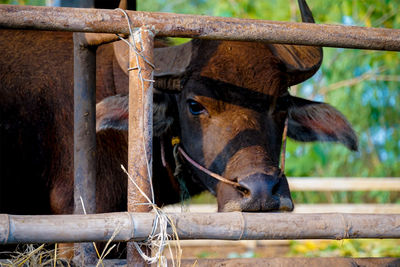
(195, 26)
(227, 226)
(344, 184)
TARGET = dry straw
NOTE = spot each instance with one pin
(159, 237)
(105, 251)
(36, 256)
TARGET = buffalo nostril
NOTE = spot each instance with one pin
(243, 191)
(261, 192)
(258, 186)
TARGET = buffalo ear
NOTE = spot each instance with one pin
(113, 113)
(162, 113)
(316, 121)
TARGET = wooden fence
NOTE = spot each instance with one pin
(190, 26)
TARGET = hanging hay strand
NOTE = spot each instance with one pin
(158, 239)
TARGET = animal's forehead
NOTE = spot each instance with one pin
(245, 65)
(221, 95)
(216, 89)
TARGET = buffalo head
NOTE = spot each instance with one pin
(228, 102)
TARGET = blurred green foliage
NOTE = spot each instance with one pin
(346, 248)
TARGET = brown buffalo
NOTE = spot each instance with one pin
(227, 101)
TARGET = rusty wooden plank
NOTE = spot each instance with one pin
(140, 129)
(196, 26)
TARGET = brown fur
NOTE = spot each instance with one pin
(248, 65)
(36, 107)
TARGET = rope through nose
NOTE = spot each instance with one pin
(223, 179)
(283, 150)
(212, 174)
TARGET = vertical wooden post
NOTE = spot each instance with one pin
(140, 128)
(84, 139)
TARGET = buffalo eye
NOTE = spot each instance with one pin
(195, 107)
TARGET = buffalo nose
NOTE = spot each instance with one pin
(263, 192)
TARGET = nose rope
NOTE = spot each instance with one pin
(207, 171)
(283, 150)
(223, 179)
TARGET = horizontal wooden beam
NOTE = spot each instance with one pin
(305, 208)
(344, 184)
(227, 226)
(196, 26)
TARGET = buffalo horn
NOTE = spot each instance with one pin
(170, 62)
(301, 61)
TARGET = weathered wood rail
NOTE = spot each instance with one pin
(196, 26)
(227, 226)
